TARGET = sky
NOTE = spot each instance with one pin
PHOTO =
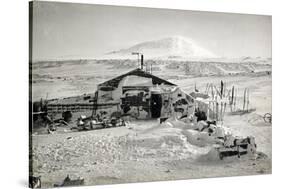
(78, 31)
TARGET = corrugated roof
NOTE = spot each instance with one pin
(138, 72)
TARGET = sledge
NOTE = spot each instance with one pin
(237, 148)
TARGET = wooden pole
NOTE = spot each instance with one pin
(248, 99)
(95, 101)
(212, 92)
(208, 111)
(244, 99)
(217, 110)
(221, 110)
(224, 89)
(232, 98)
(224, 111)
(235, 98)
(221, 92)
(218, 92)
(232, 95)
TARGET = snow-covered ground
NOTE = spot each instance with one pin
(58, 79)
(146, 151)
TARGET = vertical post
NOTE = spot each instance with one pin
(95, 100)
(213, 92)
(217, 111)
(244, 99)
(138, 59)
(214, 111)
(141, 61)
(235, 98)
(248, 99)
(221, 89)
(232, 98)
(208, 110)
(221, 111)
(149, 106)
(224, 89)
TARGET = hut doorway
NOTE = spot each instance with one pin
(156, 105)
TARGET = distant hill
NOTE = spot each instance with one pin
(178, 48)
(175, 47)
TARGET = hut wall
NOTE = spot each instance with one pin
(178, 103)
(114, 95)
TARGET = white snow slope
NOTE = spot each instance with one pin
(170, 47)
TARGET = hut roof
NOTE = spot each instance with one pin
(137, 72)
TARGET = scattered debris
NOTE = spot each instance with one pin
(163, 119)
(167, 171)
(261, 155)
(201, 115)
(267, 118)
(260, 120)
(98, 122)
(71, 182)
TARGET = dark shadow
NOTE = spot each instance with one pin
(156, 105)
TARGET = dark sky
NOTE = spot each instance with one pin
(66, 30)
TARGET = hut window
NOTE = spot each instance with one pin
(179, 95)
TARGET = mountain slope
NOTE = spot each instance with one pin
(170, 47)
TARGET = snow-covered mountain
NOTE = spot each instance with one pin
(175, 47)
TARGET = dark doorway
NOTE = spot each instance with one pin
(156, 105)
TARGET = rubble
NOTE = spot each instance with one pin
(91, 123)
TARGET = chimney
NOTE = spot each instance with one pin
(141, 61)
